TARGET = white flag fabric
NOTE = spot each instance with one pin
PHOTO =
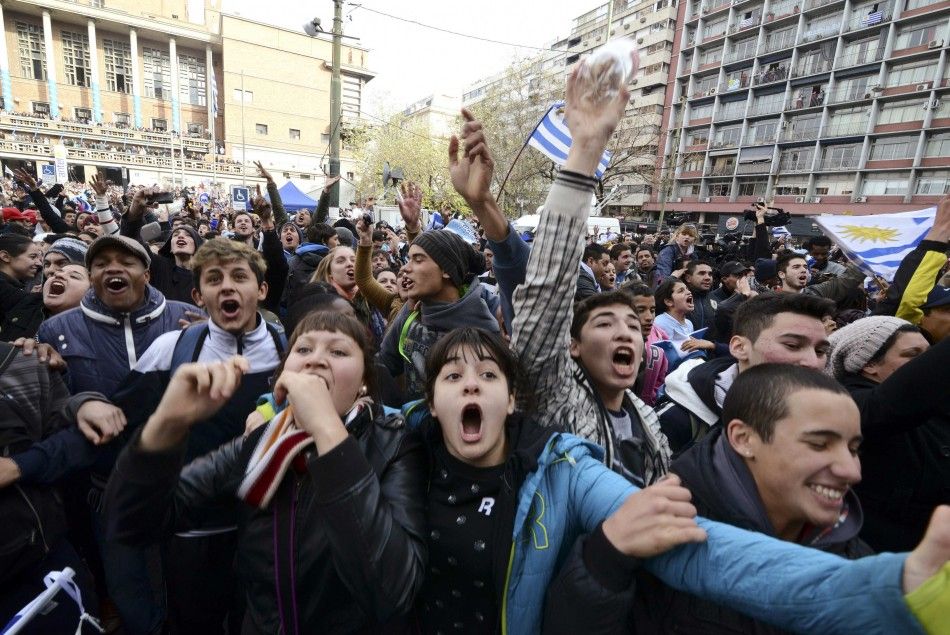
(552, 138)
(213, 93)
(878, 243)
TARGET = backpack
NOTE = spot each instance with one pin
(192, 340)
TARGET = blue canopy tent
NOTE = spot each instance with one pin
(293, 199)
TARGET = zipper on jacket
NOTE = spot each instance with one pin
(129, 341)
(504, 597)
(39, 522)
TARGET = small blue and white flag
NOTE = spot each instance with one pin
(213, 93)
(55, 582)
(875, 17)
(552, 138)
(879, 242)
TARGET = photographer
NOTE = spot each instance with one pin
(818, 248)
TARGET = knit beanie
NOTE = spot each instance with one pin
(300, 233)
(345, 236)
(73, 249)
(853, 346)
(455, 256)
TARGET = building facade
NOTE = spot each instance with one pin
(822, 106)
(438, 114)
(172, 90)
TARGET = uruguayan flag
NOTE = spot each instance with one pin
(878, 243)
(552, 138)
(214, 93)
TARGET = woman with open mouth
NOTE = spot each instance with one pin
(514, 509)
(64, 289)
(338, 268)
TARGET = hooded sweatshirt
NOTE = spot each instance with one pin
(175, 282)
(723, 489)
(412, 333)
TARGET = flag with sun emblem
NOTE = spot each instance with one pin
(878, 243)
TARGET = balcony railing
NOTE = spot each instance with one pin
(774, 44)
(820, 32)
(807, 99)
(812, 68)
(843, 163)
(711, 7)
(736, 83)
(762, 140)
(767, 108)
(742, 54)
(814, 4)
(844, 128)
(768, 76)
(851, 94)
(856, 58)
(713, 36)
(742, 25)
(808, 134)
(876, 18)
(720, 170)
(97, 132)
(798, 166)
(781, 9)
(759, 167)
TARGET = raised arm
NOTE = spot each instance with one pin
(375, 293)
(50, 217)
(277, 205)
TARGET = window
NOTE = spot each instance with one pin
(160, 125)
(192, 80)
(76, 58)
(715, 28)
(845, 121)
(294, 134)
(764, 132)
(260, 128)
(916, 4)
(121, 119)
(915, 73)
(892, 148)
(853, 88)
(246, 97)
(744, 49)
(917, 35)
(157, 78)
(688, 189)
(118, 61)
(752, 188)
(32, 50)
(700, 112)
(938, 145)
(195, 129)
(41, 108)
(710, 56)
(835, 185)
(796, 159)
(83, 115)
(720, 189)
(732, 109)
(862, 52)
(780, 39)
(901, 111)
(793, 187)
(697, 137)
(727, 137)
(841, 157)
(693, 163)
(886, 184)
(933, 183)
(767, 104)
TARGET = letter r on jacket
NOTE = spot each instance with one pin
(485, 506)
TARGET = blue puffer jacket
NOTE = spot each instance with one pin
(801, 589)
(101, 346)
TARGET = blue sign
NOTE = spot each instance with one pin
(240, 197)
(48, 171)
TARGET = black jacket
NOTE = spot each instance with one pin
(905, 456)
(724, 490)
(21, 311)
(358, 548)
(690, 408)
(703, 314)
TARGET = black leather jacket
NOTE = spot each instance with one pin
(356, 517)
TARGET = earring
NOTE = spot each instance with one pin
(362, 390)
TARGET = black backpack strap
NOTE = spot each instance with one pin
(189, 345)
(279, 336)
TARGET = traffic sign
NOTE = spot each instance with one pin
(240, 197)
(48, 172)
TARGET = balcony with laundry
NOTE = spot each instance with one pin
(746, 19)
(812, 96)
(736, 80)
(868, 16)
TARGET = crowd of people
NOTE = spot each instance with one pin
(261, 422)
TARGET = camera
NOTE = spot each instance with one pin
(368, 220)
(774, 216)
(161, 197)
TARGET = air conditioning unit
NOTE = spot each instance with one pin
(924, 86)
(634, 82)
(815, 199)
(860, 199)
(705, 200)
(711, 91)
(784, 124)
(935, 104)
(874, 88)
(799, 199)
(934, 44)
(643, 19)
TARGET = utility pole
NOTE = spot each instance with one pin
(243, 132)
(335, 102)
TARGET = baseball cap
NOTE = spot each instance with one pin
(123, 243)
(765, 270)
(940, 296)
(734, 268)
(13, 214)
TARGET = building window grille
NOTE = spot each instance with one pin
(76, 64)
(32, 50)
(118, 62)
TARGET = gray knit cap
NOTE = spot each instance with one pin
(453, 255)
(73, 249)
(853, 346)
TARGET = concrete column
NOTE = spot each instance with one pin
(136, 78)
(5, 86)
(94, 73)
(50, 65)
(176, 101)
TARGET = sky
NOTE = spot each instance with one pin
(413, 62)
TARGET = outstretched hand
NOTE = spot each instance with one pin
(263, 173)
(99, 185)
(472, 172)
(25, 178)
(591, 121)
(410, 206)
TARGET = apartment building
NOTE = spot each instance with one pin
(437, 113)
(129, 86)
(824, 106)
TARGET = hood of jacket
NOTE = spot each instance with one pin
(312, 248)
(723, 489)
(166, 249)
(95, 309)
(469, 310)
(693, 386)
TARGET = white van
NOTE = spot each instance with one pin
(603, 224)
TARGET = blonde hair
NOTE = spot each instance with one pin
(223, 250)
(322, 272)
(687, 228)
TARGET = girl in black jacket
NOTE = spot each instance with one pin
(332, 490)
(21, 310)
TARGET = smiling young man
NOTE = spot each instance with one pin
(783, 464)
(782, 328)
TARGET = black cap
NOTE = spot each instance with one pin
(734, 268)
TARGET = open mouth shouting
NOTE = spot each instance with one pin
(181, 242)
(116, 285)
(623, 361)
(472, 423)
(230, 309)
(56, 288)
